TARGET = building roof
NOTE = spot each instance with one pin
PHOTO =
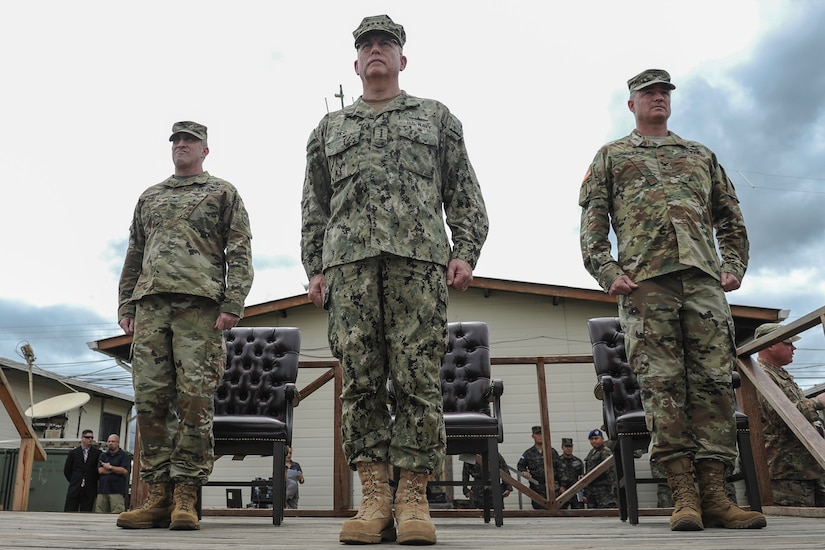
(93, 389)
(746, 318)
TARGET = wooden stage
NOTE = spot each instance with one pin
(57, 531)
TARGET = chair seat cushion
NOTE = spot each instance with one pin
(470, 424)
(249, 427)
(632, 423)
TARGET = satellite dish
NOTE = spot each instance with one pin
(57, 405)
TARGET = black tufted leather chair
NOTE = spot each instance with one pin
(253, 404)
(467, 390)
(624, 418)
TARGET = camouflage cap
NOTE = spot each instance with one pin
(536, 429)
(767, 328)
(649, 78)
(566, 442)
(380, 23)
(189, 127)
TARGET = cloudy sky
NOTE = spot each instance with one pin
(91, 90)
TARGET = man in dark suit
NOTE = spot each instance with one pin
(80, 471)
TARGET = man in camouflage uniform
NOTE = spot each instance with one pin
(570, 468)
(382, 175)
(187, 272)
(796, 477)
(531, 466)
(601, 493)
(666, 198)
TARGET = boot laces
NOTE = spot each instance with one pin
(186, 497)
(156, 497)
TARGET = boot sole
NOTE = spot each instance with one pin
(757, 523)
(126, 524)
(387, 535)
(686, 525)
(184, 526)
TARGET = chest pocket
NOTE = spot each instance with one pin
(418, 143)
(341, 152)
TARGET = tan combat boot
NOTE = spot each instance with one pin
(687, 513)
(412, 511)
(717, 509)
(184, 516)
(155, 512)
(373, 523)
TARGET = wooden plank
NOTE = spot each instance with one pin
(549, 476)
(23, 477)
(749, 403)
(18, 419)
(586, 480)
(794, 419)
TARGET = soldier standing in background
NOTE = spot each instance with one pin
(570, 470)
(601, 493)
(531, 466)
(382, 175)
(187, 272)
(666, 199)
(796, 477)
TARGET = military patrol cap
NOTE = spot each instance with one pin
(649, 78)
(566, 442)
(380, 23)
(189, 127)
(536, 429)
(594, 433)
(767, 328)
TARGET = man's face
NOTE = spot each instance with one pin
(651, 105)
(596, 441)
(567, 450)
(379, 55)
(87, 439)
(780, 354)
(537, 440)
(113, 443)
(187, 151)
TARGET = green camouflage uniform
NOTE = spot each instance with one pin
(665, 201)
(378, 187)
(568, 472)
(532, 460)
(602, 492)
(796, 477)
(189, 258)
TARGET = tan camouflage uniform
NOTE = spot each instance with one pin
(377, 188)
(664, 201)
(189, 258)
(796, 477)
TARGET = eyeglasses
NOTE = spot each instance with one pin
(88, 437)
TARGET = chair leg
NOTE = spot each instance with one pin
(620, 482)
(749, 470)
(494, 478)
(278, 482)
(629, 467)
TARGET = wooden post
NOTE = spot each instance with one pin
(30, 447)
(342, 486)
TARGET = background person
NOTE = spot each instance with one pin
(601, 493)
(471, 471)
(294, 477)
(531, 465)
(796, 477)
(382, 176)
(80, 470)
(569, 470)
(113, 466)
(187, 272)
(666, 199)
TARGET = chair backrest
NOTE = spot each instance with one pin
(610, 359)
(465, 368)
(259, 362)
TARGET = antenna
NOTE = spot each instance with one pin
(28, 353)
(340, 94)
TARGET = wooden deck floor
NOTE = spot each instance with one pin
(61, 530)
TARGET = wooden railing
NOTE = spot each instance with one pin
(756, 382)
